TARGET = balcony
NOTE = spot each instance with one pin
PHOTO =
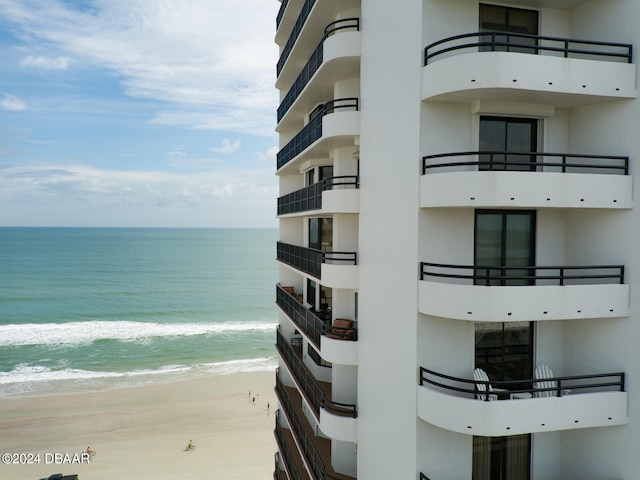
(295, 34)
(305, 319)
(335, 269)
(290, 456)
(333, 125)
(527, 68)
(337, 343)
(527, 293)
(279, 473)
(337, 420)
(316, 450)
(489, 179)
(305, 34)
(459, 405)
(337, 57)
(331, 195)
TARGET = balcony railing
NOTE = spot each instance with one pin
(283, 7)
(525, 275)
(287, 452)
(527, 162)
(304, 438)
(309, 386)
(310, 260)
(306, 320)
(312, 131)
(310, 198)
(277, 473)
(532, 44)
(499, 390)
(314, 63)
(295, 33)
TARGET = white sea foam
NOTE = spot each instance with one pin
(27, 380)
(84, 333)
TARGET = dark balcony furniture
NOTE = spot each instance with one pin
(341, 329)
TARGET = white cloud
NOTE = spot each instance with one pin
(12, 104)
(206, 58)
(46, 63)
(268, 157)
(88, 196)
(227, 146)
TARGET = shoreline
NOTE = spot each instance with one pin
(94, 382)
(141, 431)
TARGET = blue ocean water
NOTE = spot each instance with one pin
(98, 308)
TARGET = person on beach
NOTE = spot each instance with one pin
(190, 445)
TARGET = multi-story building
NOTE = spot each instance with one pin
(456, 240)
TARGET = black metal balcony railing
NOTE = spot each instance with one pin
(295, 33)
(277, 473)
(314, 62)
(308, 384)
(310, 260)
(525, 275)
(287, 452)
(533, 44)
(305, 440)
(527, 161)
(310, 198)
(283, 7)
(312, 131)
(306, 320)
(505, 389)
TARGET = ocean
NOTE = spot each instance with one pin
(85, 309)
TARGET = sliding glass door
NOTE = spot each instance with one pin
(504, 240)
(506, 134)
(522, 23)
(502, 458)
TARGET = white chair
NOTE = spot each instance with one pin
(544, 386)
(482, 385)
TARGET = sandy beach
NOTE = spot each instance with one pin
(141, 432)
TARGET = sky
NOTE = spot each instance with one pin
(138, 113)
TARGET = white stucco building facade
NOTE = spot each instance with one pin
(457, 238)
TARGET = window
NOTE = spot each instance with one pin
(502, 458)
(326, 172)
(505, 134)
(504, 240)
(505, 351)
(311, 176)
(311, 293)
(517, 21)
(321, 234)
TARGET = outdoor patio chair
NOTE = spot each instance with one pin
(479, 375)
(545, 387)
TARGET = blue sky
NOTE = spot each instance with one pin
(138, 113)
